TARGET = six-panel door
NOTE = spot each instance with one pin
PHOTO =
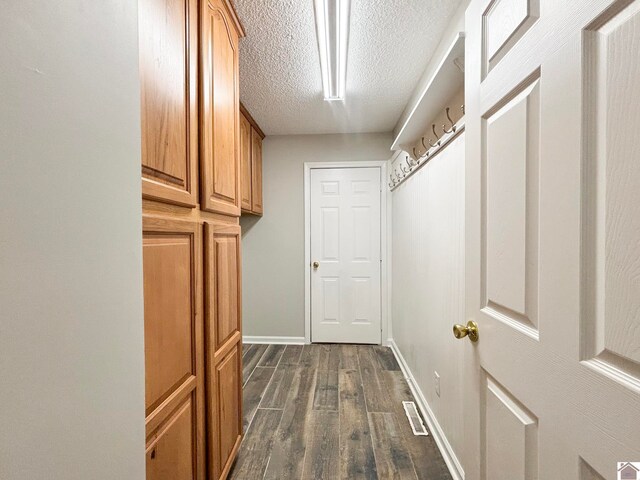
(223, 337)
(168, 91)
(552, 237)
(174, 367)
(220, 111)
(345, 243)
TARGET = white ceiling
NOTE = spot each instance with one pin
(390, 43)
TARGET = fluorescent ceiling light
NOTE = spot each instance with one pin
(332, 26)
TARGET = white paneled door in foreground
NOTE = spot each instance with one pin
(552, 239)
(345, 255)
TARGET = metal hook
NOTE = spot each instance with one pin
(453, 125)
(462, 107)
(434, 146)
(415, 154)
(409, 161)
(433, 128)
(426, 149)
(403, 170)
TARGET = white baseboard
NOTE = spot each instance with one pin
(274, 340)
(448, 454)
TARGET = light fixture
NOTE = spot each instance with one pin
(332, 26)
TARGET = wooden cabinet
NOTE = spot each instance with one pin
(256, 172)
(220, 125)
(223, 344)
(191, 237)
(169, 117)
(245, 163)
(174, 362)
(251, 160)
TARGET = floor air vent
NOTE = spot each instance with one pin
(415, 420)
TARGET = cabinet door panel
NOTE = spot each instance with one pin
(220, 151)
(223, 302)
(245, 160)
(168, 60)
(256, 172)
(174, 362)
(226, 410)
(170, 454)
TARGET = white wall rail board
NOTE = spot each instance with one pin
(401, 169)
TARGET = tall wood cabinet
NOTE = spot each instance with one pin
(191, 193)
(251, 137)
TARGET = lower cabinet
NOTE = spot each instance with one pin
(174, 357)
(193, 348)
(223, 340)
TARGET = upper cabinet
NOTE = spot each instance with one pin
(256, 172)
(245, 161)
(220, 116)
(168, 75)
(251, 159)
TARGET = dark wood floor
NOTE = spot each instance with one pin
(329, 412)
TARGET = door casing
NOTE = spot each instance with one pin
(385, 244)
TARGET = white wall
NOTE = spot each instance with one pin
(428, 282)
(273, 246)
(71, 311)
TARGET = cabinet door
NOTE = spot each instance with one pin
(174, 362)
(224, 342)
(256, 172)
(223, 284)
(168, 91)
(220, 147)
(245, 160)
(225, 410)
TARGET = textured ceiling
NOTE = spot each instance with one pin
(390, 43)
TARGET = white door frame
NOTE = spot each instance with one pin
(384, 244)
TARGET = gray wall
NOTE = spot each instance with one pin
(273, 246)
(71, 311)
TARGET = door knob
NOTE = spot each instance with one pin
(316, 264)
(471, 331)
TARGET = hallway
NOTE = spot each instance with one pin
(327, 412)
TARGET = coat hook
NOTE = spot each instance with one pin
(462, 107)
(453, 125)
(433, 128)
(409, 161)
(415, 154)
(434, 146)
(426, 149)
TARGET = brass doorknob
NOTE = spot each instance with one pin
(471, 331)
(316, 264)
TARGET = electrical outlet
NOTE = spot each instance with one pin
(436, 382)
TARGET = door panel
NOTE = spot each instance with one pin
(170, 454)
(220, 151)
(169, 313)
(345, 241)
(256, 172)
(550, 259)
(225, 408)
(168, 100)
(510, 196)
(174, 363)
(246, 160)
(224, 265)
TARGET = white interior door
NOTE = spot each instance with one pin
(552, 238)
(345, 255)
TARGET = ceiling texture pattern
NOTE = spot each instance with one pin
(390, 44)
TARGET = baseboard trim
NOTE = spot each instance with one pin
(274, 340)
(450, 458)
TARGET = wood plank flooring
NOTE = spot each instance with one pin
(329, 412)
